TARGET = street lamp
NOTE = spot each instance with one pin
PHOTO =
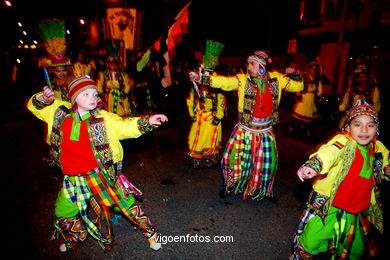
(8, 3)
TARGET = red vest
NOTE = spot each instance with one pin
(263, 105)
(76, 156)
(354, 193)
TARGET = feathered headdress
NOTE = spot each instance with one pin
(113, 50)
(211, 54)
(52, 33)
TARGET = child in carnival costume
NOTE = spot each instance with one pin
(114, 84)
(85, 143)
(305, 109)
(83, 66)
(362, 86)
(348, 171)
(250, 157)
(146, 77)
(53, 34)
(206, 107)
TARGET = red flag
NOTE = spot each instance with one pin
(156, 45)
(175, 36)
(177, 30)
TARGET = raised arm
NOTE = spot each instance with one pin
(226, 83)
(287, 83)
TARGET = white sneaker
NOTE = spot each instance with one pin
(63, 248)
(154, 242)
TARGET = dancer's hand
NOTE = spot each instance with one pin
(306, 173)
(386, 170)
(194, 76)
(47, 95)
(158, 119)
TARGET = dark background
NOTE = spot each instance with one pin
(262, 24)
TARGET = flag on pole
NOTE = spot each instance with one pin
(147, 55)
(157, 44)
(175, 36)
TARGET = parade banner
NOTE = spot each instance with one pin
(175, 36)
(122, 25)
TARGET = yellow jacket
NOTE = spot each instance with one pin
(214, 103)
(332, 158)
(238, 82)
(117, 128)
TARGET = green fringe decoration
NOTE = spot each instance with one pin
(212, 52)
(51, 29)
(52, 33)
(113, 48)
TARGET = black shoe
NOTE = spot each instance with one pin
(272, 199)
(223, 193)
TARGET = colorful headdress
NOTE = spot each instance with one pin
(211, 54)
(53, 35)
(78, 85)
(261, 57)
(113, 50)
(361, 107)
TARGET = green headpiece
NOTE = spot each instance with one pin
(113, 49)
(52, 32)
(211, 55)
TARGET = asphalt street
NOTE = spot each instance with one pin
(183, 202)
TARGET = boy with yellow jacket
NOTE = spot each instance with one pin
(85, 144)
(345, 196)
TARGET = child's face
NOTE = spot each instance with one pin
(87, 100)
(363, 129)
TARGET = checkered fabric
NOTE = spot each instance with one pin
(108, 197)
(79, 194)
(249, 163)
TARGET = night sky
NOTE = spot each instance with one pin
(240, 25)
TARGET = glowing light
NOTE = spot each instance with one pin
(21, 42)
(18, 60)
(67, 31)
(82, 21)
(20, 24)
(26, 46)
(24, 32)
(35, 42)
(8, 3)
(33, 46)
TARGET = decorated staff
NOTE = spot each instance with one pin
(47, 78)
